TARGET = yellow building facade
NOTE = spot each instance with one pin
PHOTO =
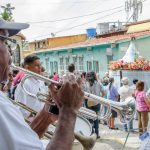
(48, 43)
(66, 40)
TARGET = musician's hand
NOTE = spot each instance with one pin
(69, 95)
(52, 117)
(42, 120)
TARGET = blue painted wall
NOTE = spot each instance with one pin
(94, 54)
(97, 53)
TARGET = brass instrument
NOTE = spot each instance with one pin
(87, 142)
(125, 109)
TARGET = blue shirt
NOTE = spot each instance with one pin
(112, 93)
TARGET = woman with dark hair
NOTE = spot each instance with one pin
(112, 94)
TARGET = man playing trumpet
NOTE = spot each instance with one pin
(15, 133)
(31, 63)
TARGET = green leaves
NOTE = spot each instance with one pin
(7, 12)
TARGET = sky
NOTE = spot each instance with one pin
(51, 16)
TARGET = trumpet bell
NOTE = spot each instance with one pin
(87, 142)
(128, 110)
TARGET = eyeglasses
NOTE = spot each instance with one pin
(7, 38)
(10, 43)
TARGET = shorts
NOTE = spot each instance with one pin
(113, 114)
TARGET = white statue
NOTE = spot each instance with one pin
(130, 53)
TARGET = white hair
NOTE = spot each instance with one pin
(125, 81)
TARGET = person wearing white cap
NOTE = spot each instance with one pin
(125, 92)
(15, 133)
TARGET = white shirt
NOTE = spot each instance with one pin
(148, 94)
(133, 88)
(33, 86)
(15, 134)
(125, 91)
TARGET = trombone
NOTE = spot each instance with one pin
(125, 109)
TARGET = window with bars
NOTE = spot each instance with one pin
(89, 65)
(75, 63)
(67, 63)
(61, 64)
(96, 66)
(51, 68)
(47, 64)
(55, 66)
(80, 64)
(109, 59)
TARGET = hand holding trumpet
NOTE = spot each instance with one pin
(69, 94)
(69, 99)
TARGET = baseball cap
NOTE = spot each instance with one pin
(12, 27)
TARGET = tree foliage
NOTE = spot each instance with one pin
(6, 16)
(7, 12)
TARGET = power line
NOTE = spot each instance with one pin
(57, 20)
(88, 22)
(67, 2)
(89, 8)
(80, 24)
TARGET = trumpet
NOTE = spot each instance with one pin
(125, 109)
(86, 142)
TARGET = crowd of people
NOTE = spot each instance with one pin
(91, 83)
(15, 133)
(68, 97)
(105, 87)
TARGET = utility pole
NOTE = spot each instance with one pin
(133, 9)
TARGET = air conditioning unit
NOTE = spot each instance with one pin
(109, 52)
(113, 45)
(89, 48)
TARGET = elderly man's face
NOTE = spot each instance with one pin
(5, 61)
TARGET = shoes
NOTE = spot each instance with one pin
(113, 128)
(105, 123)
(98, 137)
(125, 130)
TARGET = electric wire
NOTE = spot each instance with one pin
(80, 24)
(64, 19)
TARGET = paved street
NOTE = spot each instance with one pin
(115, 139)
